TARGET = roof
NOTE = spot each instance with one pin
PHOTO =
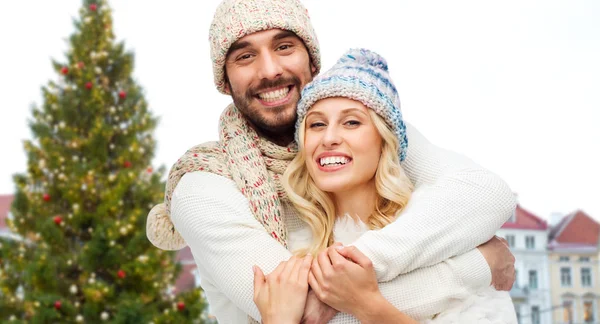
(5, 202)
(525, 219)
(577, 228)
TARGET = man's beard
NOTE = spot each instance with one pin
(281, 123)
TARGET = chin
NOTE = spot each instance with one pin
(332, 185)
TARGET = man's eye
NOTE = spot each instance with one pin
(244, 57)
(284, 47)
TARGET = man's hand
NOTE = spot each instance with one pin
(501, 262)
(316, 311)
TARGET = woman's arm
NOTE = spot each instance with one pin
(460, 206)
(380, 311)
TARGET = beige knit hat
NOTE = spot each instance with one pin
(235, 19)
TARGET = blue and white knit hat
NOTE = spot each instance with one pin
(361, 75)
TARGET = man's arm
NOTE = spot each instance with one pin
(424, 292)
(460, 206)
(215, 220)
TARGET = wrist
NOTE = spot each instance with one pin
(372, 310)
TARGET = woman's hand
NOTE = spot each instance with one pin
(344, 279)
(281, 296)
(346, 285)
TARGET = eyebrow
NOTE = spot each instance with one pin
(243, 44)
(343, 112)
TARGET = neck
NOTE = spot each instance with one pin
(281, 137)
(358, 202)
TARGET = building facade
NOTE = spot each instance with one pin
(527, 236)
(573, 253)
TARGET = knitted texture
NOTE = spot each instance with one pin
(361, 75)
(235, 19)
(252, 162)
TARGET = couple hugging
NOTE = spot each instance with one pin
(319, 203)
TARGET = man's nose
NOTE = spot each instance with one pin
(270, 67)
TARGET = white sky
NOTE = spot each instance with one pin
(515, 85)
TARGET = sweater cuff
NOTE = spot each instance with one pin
(473, 270)
(379, 266)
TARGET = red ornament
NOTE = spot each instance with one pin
(127, 164)
(88, 85)
(93, 7)
(64, 70)
(181, 306)
(149, 170)
(80, 65)
(122, 94)
(57, 220)
(46, 197)
(57, 304)
(121, 274)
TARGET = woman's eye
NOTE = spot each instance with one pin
(317, 124)
(353, 123)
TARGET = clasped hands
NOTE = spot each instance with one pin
(342, 279)
(335, 276)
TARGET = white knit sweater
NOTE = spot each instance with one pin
(473, 307)
(461, 205)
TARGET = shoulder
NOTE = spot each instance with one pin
(202, 182)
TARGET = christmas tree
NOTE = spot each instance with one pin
(81, 254)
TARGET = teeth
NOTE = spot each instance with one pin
(331, 160)
(274, 95)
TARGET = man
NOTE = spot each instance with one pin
(226, 201)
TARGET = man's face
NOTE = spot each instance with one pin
(266, 72)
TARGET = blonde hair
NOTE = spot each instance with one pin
(316, 208)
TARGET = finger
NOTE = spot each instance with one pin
(352, 253)
(288, 269)
(325, 264)
(259, 280)
(314, 283)
(275, 274)
(304, 268)
(336, 258)
(315, 270)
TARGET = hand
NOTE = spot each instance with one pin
(316, 311)
(346, 285)
(501, 262)
(281, 296)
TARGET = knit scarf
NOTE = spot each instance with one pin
(252, 162)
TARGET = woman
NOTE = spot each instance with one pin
(347, 179)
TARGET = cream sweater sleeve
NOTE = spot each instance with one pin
(461, 207)
(215, 220)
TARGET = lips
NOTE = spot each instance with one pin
(275, 97)
(332, 161)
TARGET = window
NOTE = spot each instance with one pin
(586, 277)
(568, 311)
(535, 315)
(530, 242)
(517, 278)
(563, 258)
(565, 277)
(533, 284)
(511, 241)
(588, 311)
(584, 259)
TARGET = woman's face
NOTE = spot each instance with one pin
(342, 145)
